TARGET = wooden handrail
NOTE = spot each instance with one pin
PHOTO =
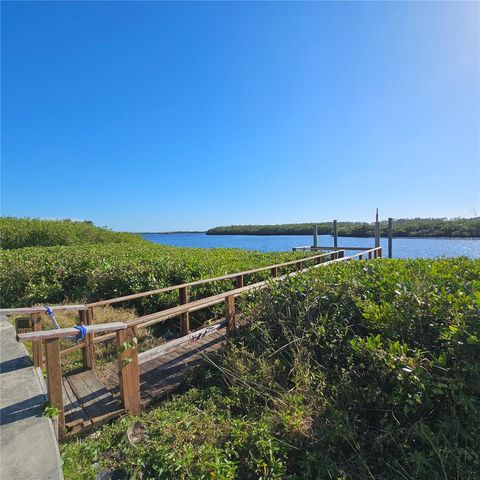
(71, 331)
(81, 307)
(189, 307)
(30, 310)
(203, 281)
(167, 314)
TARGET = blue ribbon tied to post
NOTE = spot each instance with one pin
(82, 331)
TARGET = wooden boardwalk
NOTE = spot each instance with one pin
(140, 379)
(90, 402)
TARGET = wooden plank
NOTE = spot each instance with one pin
(94, 397)
(187, 339)
(73, 348)
(390, 237)
(37, 352)
(86, 319)
(161, 379)
(68, 332)
(230, 313)
(128, 372)
(27, 310)
(75, 415)
(185, 326)
(54, 378)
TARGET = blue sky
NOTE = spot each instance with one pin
(164, 116)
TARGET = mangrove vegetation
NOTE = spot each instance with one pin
(410, 227)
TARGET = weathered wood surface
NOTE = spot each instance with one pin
(69, 332)
(55, 308)
(87, 401)
(163, 372)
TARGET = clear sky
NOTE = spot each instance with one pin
(164, 116)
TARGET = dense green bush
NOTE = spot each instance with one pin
(411, 227)
(352, 371)
(93, 272)
(32, 232)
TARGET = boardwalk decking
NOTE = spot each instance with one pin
(162, 371)
(89, 402)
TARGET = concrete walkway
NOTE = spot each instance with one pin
(28, 447)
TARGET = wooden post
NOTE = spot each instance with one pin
(377, 230)
(369, 255)
(54, 378)
(37, 352)
(341, 253)
(230, 313)
(390, 237)
(360, 257)
(274, 271)
(86, 318)
(185, 326)
(335, 234)
(128, 370)
(239, 281)
(315, 236)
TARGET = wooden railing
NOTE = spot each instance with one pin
(86, 312)
(127, 371)
(126, 331)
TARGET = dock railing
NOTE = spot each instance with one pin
(126, 332)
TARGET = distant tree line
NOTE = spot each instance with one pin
(402, 227)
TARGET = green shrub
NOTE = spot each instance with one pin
(32, 232)
(92, 272)
(351, 371)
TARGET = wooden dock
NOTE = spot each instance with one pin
(90, 402)
(140, 379)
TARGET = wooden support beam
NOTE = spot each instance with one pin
(390, 237)
(37, 352)
(54, 378)
(230, 313)
(239, 281)
(86, 319)
(185, 326)
(274, 272)
(128, 370)
(369, 255)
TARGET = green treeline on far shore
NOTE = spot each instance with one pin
(402, 227)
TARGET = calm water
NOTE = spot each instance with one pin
(402, 247)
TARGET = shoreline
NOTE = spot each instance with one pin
(453, 237)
